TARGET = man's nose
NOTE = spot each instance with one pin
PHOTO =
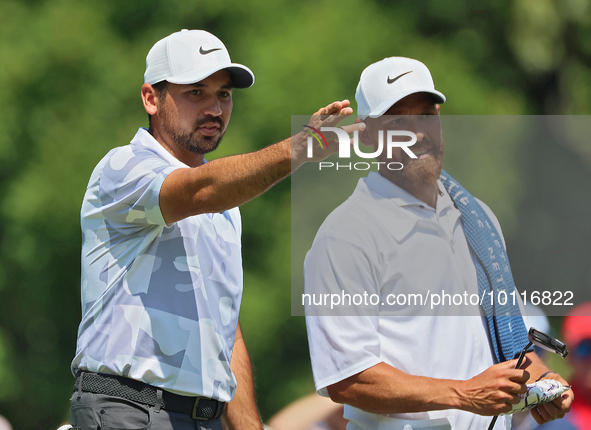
(415, 126)
(213, 107)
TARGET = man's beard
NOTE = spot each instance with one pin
(189, 140)
(419, 173)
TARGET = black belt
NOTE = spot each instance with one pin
(200, 408)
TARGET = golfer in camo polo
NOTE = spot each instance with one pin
(159, 343)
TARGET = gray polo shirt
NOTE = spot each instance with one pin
(160, 302)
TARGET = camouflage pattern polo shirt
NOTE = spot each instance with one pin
(160, 302)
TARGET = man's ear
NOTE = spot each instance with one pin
(438, 111)
(364, 135)
(150, 99)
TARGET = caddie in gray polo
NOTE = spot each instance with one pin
(159, 345)
(402, 237)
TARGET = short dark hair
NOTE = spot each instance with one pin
(161, 90)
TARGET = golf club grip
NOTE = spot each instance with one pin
(519, 361)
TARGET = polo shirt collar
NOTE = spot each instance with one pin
(380, 197)
(401, 197)
(390, 190)
(144, 138)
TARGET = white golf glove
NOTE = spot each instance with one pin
(538, 393)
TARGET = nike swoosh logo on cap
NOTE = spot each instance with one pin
(390, 81)
(202, 52)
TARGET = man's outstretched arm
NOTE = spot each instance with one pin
(383, 389)
(232, 181)
(242, 411)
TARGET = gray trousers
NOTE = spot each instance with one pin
(90, 411)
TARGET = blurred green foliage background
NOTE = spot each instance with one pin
(70, 75)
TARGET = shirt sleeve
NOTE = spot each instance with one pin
(341, 283)
(125, 189)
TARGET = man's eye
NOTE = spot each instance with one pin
(225, 94)
(195, 92)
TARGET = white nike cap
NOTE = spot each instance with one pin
(189, 56)
(384, 83)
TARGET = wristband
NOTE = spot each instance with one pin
(545, 374)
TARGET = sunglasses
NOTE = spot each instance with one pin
(583, 349)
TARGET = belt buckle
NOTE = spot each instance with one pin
(194, 413)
